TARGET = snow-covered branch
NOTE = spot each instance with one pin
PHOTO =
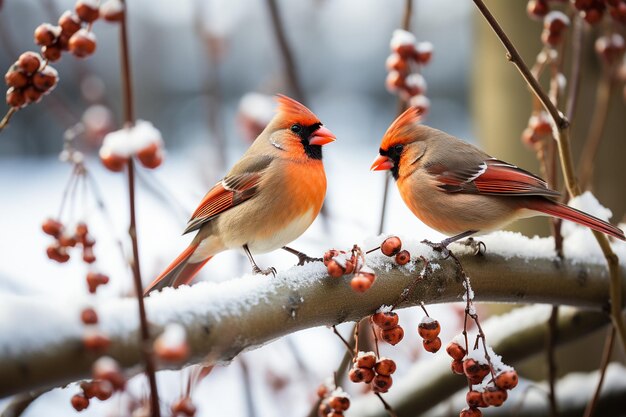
(41, 344)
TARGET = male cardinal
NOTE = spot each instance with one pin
(459, 190)
(269, 198)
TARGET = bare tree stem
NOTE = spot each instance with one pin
(606, 358)
(129, 120)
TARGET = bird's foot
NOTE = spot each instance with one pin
(441, 247)
(303, 258)
(477, 246)
(267, 271)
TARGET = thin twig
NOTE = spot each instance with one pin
(344, 341)
(574, 77)
(388, 408)
(551, 358)
(606, 358)
(247, 387)
(129, 120)
(7, 117)
(567, 165)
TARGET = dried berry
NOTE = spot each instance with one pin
(494, 396)
(360, 283)
(46, 79)
(455, 351)
(87, 10)
(335, 270)
(32, 95)
(339, 402)
(112, 11)
(396, 63)
(471, 412)
(382, 383)
(391, 246)
(95, 279)
(386, 320)
(403, 257)
(89, 316)
(507, 380)
(428, 328)
(57, 253)
(394, 81)
(29, 62)
(108, 369)
(432, 346)
(46, 34)
(89, 388)
(537, 9)
(80, 402)
(16, 77)
(82, 43)
(385, 366)
(69, 23)
(52, 53)
(366, 360)
(457, 367)
(474, 370)
(15, 97)
(102, 390)
(392, 336)
(52, 227)
(329, 255)
(88, 255)
(361, 375)
(475, 399)
(151, 156)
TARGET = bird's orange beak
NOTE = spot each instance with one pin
(321, 136)
(382, 163)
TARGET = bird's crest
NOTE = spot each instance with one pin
(404, 129)
(292, 111)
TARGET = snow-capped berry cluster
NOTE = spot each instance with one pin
(554, 25)
(28, 79)
(334, 402)
(590, 10)
(429, 330)
(107, 379)
(476, 368)
(392, 247)
(340, 263)
(611, 48)
(386, 325)
(142, 140)
(404, 67)
(376, 372)
(171, 345)
(538, 131)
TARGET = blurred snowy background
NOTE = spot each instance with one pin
(192, 62)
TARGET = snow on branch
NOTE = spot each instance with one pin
(41, 344)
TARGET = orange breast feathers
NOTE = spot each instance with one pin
(306, 187)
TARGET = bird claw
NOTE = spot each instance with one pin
(478, 246)
(267, 271)
(303, 259)
(438, 247)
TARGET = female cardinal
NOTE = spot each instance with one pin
(269, 198)
(457, 189)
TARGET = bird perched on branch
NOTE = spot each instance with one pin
(459, 190)
(269, 198)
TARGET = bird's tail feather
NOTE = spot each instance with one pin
(179, 272)
(569, 213)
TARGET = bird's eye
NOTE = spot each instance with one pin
(398, 149)
(296, 128)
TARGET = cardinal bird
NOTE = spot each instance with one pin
(459, 190)
(269, 198)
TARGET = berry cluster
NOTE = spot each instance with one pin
(610, 48)
(404, 66)
(493, 392)
(58, 251)
(142, 140)
(107, 379)
(538, 131)
(429, 330)
(590, 10)
(554, 25)
(385, 323)
(392, 247)
(333, 401)
(28, 79)
(376, 372)
(340, 263)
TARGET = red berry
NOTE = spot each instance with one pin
(455, 351)
(46, 34)
(385, 366)
(69, 23)
(537, 9)
(183, 407)
(424, 53)
(474, 370)
(52, 52)
(394, 81)
(329, 255)
(386, 320)
(322, 390)
(82, 43)
(52, 227)
(396, 63)
(339, 403)
(471, 412)
(112, 11)
(113, 162)
(16, 77)
(335, 270)
(403, 257)
(29, 62)
(494, 396)
(46, 79)
(360, 283)
(555, 22)
(366, 360)
(109, 370)
(432, 346)
(89, 388)
(507, 380)
(151, 156)
(96, 341)
(57, 253)
(429, 329)
(475, 399)
(87, 11)
(382, 383)
(357, 375)
(392, 336)
(80, 402)
(67, 241)
(15, 97)
(81, 230)
(391, 246)
(102, 390)
(89, 316)
(457, 367)
(88, 255)
(32, 94)
(95, 279)
(592, 16)
(405, 50)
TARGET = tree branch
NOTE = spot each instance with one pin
(226, 318)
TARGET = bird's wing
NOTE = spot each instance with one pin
(239, 186)
(490, 177)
